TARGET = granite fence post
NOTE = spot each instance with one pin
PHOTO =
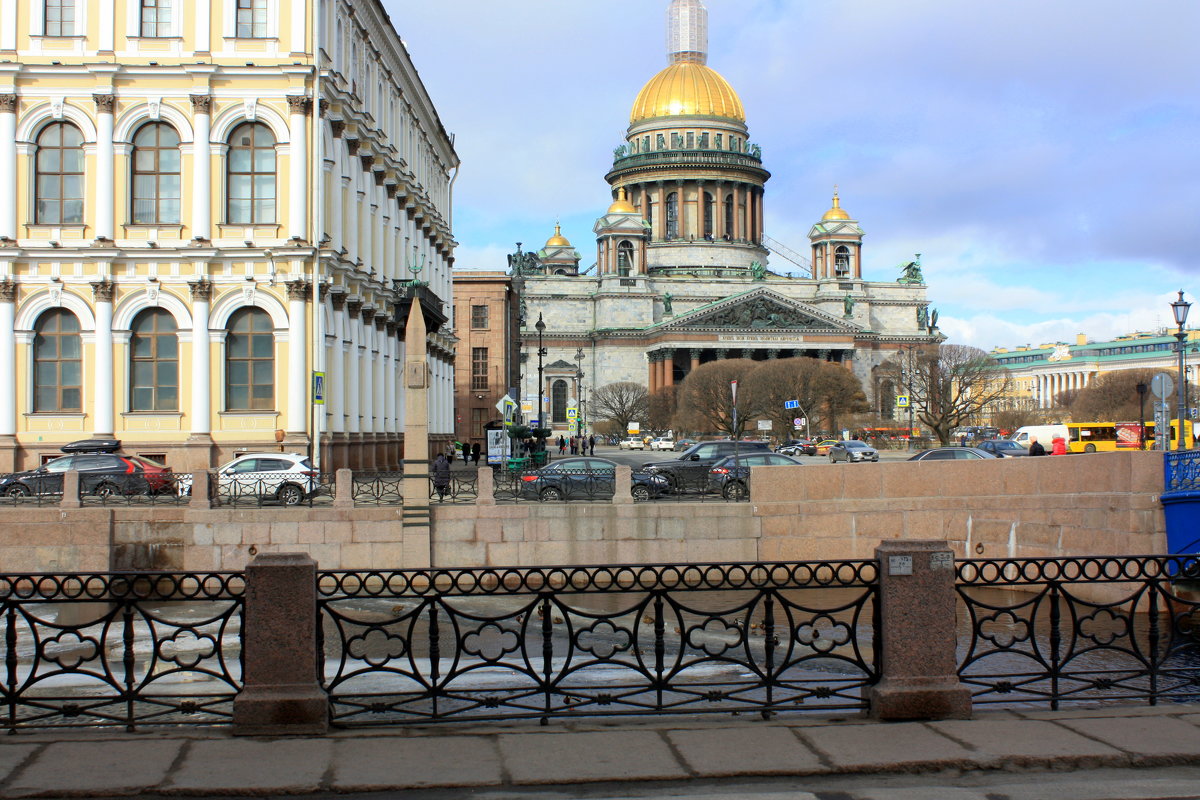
(622, 490)
(70, 485)
(282, 692)
(200, 490)
(919, 674)
(485, 487)
(343, 488)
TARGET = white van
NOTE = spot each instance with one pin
(1043, 433)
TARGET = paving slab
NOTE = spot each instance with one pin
(12, 756)
(253, 766)
(747, 751)
(95, 768)
(884, 747)
(536, 758)
(1161, 737)
(919, 793)
(1026, 740)
(405, 762)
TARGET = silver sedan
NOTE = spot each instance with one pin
(851, 451)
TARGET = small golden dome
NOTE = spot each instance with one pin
(837, 212)
(687, 88)
(557, 240)
(622, 205)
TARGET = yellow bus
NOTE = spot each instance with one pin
(1100, 437)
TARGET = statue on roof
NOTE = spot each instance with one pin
(668, 299)
(619, 152)
(922, 317)
(757, 271)
(520, 263)
(912, 272)
(848, 306)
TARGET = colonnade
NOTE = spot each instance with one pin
(665, 362)
(1048, 386)
(650, 198)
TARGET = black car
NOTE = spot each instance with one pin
(798, 447)
(1004, 448)
(731, 477)
(100, 473)
(585, 479)
(690, 470)
(953, 454)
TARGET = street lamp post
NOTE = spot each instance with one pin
(579, 389)
(1141, 390)
(541, 351)
(1180, 309)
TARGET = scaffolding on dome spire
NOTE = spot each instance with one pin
(687, 31)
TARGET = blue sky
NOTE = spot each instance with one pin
(1043, 157)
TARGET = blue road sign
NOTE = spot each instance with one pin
(791, 404)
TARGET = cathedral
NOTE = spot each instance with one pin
(683, 271)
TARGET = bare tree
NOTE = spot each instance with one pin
(662, 407)
(705, 401)
(950, 383)
(1113, 397)
(820, 388)
(841, 392)
(620, 403)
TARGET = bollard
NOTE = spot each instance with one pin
(70, 485)
(919, 669)
(282, 693)
(343, 488)
(485, 487)
(200, 490)
(623, 487)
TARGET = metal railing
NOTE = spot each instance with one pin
(128, 649)
(270, 489)
(433, 645)
(462, 488)
(1041, 642)
(161, 488)
(17, 489)
(378, 488)
(1182, 468)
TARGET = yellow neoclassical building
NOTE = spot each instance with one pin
(199, 221)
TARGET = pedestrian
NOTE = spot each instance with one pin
(574, 446)
(1035, 447)
(441, 476)
(466, 453)
(475, 451)
(592, 445)
(962, 440)
(562, 444)
(1058, 446)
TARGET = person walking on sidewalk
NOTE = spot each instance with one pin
(475, 451)
(592, 445)
(1035, 447)
(1058, 446)
(441, 476)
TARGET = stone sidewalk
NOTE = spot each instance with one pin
(686, 752)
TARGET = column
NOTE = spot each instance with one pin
(102, 407)
(202, 25)
(669, 368)
(299, 108)
(389, 375)
(297, 403)
(8, 166)
(349, 201)
(201, 411)
(660, 215)
(8, 24)
(366, 371)
(107, 24)
(8, 357)
(299, 12)
(695, 354)
(653, 371)
(335, 366)
(380, 374)
(105, 191)
(201, 168)
(353, 391)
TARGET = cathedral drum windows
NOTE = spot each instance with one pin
(250, 361)
(156, 175)
(251, 175)
(673, 215)
(841, 260)
(57, 363)
(624, 259)
(154, 362)
(59, 175)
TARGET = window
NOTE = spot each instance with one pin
(710, 211)
(251, 175)
(60, 18)
(156, 176)
(156, 18)
(673, 215)
(250, 361)
(251, 19)
(479, 418)
(624, 258)
(154, 367)
(479, 318)
(59, 179)
(841, 260)
(479, 369)
(57, 362)
(558, 400)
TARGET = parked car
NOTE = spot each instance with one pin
(952, 454)
(663, 443)
(632, 443)
(731, 477)
(103, 472)
(852, 450)
(586, 479)
(683, 444)
(286, 478)
(1004, 448)
(690, 470)
(798, 447)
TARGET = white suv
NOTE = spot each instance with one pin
(663, 443)
(632, 443)
(287, 478)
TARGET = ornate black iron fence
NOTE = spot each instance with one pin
(432, 645)
(22, 488)
(160, 488)
(378, 488)
(1028, 633)
(462, 488)
(128, 649)
(269, 488)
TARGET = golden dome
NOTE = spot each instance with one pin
(557, 240)
(837, 212)
(622, 205)
(687, 88)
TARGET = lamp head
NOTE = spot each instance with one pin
(1180, 309)
(541, 326)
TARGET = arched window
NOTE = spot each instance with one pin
(710, 212)
(57, 362)
(154, 362)
(250, 361)
(624, 258)
(729, 230)
(156, 175)
(558, 400)
(841, 260)
(59, 179)
(673, 215)
(251, 175)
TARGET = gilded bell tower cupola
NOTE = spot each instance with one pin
(836, 244)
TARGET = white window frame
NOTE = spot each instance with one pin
(37, 18)
(230, 26)
(133, 21)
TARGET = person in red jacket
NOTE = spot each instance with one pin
(1058, 446)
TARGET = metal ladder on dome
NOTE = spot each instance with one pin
(782, 250)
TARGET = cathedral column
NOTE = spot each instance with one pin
(669, 368)
(299, 107)
(8, 166)
(759, 195)
(8, 358)
(653, 371)
(660, 216)
(297, 381)
(102, 402)
(105, 186)
(201, 410)
(719, 231)
(201, 168)
(695, 354)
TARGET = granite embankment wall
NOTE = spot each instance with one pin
(1104, 503)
